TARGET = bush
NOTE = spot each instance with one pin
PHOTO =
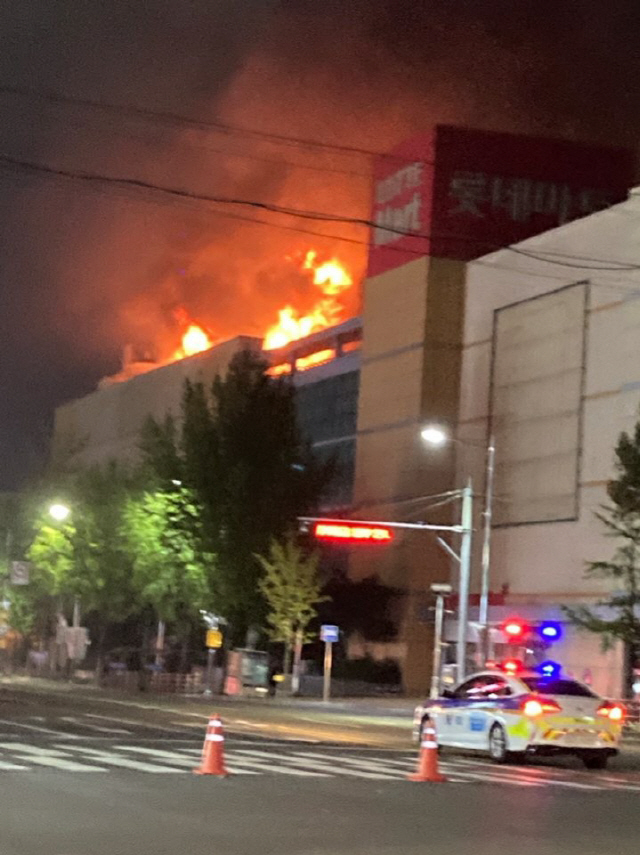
(386, 671)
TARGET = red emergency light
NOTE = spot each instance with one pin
(353, 532)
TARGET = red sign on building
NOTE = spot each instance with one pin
(457, 193)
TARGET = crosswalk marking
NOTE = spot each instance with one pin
(319, 763)
(38, 728)
(55, 759)
(110, 759)
(65, 756)
(177, 759)
(267, 764)
(78, 721)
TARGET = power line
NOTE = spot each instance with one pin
(317, 216)
(198, 124)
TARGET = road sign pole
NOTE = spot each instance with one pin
(326, 683)
(209, 678)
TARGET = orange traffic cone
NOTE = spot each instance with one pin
(428, 758)
(212, 750)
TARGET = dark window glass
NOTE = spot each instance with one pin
(543, 686)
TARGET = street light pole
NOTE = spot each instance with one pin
(483, 616)
(465, 571)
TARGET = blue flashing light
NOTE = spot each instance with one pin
(550, 631)
(549, 668)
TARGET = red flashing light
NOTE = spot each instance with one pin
(511, 666)
(353, 532)
(513, 628)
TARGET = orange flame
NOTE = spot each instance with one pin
(194, 338)
(332, 279)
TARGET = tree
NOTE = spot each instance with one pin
(292, 589)
(85, 556)
(240, 451)
(615, 617)
(171, 571)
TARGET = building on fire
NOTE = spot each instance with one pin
(461, 323)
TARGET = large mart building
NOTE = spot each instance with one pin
(414, 356)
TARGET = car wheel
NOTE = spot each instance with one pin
(498, 744)
(596, 760)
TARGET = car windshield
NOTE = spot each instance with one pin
(545, 686)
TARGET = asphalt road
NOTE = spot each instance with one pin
(89, 777)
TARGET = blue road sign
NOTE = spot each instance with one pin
(328, 632)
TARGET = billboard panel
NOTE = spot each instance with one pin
(461, 193)
(536, 406)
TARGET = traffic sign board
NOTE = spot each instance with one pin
(214, 639)
(329, 633)
(20, 572)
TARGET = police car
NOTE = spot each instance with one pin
(512, 713)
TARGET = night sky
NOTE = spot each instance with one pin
(86, 269)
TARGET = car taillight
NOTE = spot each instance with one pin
(614, 712)
(539, 706)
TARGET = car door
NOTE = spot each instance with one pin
(480, 710)
(452, 721)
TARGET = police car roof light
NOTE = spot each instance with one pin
(550, 631)
(549, 668)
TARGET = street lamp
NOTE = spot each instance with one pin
(59, 512)
(437, 436)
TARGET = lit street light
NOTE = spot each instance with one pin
(434, 435)
(437, 436)
(59, 512)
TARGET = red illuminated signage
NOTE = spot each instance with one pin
(461, 193)
(352, 532)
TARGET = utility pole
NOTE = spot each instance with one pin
(465, 569)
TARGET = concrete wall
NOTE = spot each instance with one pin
(544, 562)
(410, 369)
(106, 424)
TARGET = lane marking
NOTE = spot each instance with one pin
(113, 760)
(172, 757)
(48, 757)
(257, 763)
(115, 730)
(39, 729)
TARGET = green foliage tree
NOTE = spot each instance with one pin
(292, 589)
(241, 453)
(85, 556)
(171, 571)
(616, 616)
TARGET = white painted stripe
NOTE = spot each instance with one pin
(319, 763)
(78, 722)
(11, 767)
(214, 737)
(38, 728)
(254, 763)
(173, 757)
(110, 759)
(47, 757)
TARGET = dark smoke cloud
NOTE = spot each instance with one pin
(85, 270)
